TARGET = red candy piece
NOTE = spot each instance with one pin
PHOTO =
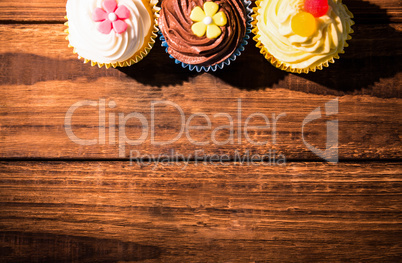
(316, 7)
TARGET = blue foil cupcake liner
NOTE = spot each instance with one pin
(227, 62)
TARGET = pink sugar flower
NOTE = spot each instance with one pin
(111, 17)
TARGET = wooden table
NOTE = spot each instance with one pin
(65, 202)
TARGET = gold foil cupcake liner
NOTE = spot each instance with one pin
(281, 65)
(141, 53)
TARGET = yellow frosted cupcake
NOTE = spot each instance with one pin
(301, 35)
(111, 33)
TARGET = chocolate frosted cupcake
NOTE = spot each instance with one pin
(204, 35)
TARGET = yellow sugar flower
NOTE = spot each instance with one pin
(208, 20)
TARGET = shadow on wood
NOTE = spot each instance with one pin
(45, 247)
(157, 69)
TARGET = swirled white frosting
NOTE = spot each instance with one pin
(274, 27)
(91, 44)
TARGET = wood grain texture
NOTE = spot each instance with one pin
(300, 212)
(373, 11)
(34, 99)
(64, 206)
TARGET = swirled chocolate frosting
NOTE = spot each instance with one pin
(185, 46)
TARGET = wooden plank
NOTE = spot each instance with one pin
(33, 10)
(373, 11)
(41, 79)
(222, 213)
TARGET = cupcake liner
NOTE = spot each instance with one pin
(141, 53)
(281, 65)
(227, 62)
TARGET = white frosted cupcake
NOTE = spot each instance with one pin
(111, 33)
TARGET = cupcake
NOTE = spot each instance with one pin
(111, 33)
(204, 35)
(302, 35)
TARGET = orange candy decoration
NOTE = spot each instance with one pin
(304, 23)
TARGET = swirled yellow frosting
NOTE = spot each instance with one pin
(294, 52)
